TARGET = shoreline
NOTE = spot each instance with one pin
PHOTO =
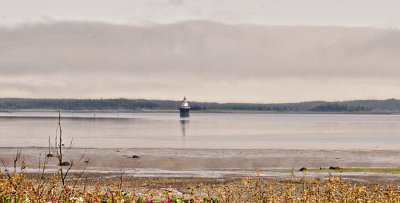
(202, 111)
(211, 166)
(275, 157)
(185, 163)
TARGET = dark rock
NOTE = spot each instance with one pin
(334, 168)
(135, 157)
(303, 169)
(49, 155)
(65, 163)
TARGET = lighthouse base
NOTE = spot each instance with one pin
(184, 112)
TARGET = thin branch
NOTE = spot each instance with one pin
(60, 155)
(56, 144)
(70, 144)
(16, 159)
(83, 155)
(38, 174)
(122, 172)
(5, 169)
(84, 186)
(46, 160)
(50, 145)
(66, 173)
(81, 173)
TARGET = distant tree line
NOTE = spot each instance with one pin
(77, 104)
(391, 105)
(335, 107)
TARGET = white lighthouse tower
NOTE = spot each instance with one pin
(184, 108)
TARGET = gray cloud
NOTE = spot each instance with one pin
(203, 60)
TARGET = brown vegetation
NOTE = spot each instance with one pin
(18, 187)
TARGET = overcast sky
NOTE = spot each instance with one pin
(369, 13)
(225, 51)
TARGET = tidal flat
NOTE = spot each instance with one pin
(370, 165)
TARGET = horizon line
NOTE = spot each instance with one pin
(115, 98)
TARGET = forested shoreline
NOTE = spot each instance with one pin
(390, 105)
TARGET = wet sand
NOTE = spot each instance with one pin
(204, 162)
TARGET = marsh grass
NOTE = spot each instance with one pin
(18, 187)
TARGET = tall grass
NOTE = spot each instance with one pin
(17, 187)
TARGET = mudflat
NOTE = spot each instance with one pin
(202, 162)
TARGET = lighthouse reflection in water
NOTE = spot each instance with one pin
(184, 124)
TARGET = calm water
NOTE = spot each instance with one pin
(203, 130)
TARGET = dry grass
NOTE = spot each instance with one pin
(17, 187)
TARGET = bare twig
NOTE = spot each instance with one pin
(84, 186)
(16, 159)
(50, 145)
(66, 173)
(81, 173)
(70, 144)
(55, 144)
(60, 155)
(122, 172)
(5, 169)
(45, 162)
(40, 156)
(82, 156)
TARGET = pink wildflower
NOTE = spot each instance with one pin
(149, 201)
(168, 201)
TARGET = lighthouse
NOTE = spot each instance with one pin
(184, 108)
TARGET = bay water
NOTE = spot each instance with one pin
(202, 130)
